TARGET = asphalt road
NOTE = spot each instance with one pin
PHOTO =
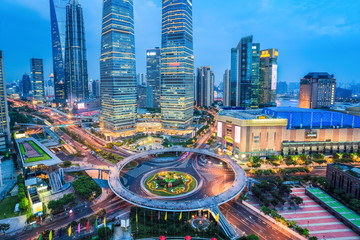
(244, 220)
(113, 204)
(214, 178)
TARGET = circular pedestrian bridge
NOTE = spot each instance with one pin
(131, 189)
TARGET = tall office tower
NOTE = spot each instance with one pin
(5, 138)
(205, 87)
(226, 88)
(57, 17)
(177, 67)
(268, 77)
(153, 61)
(141, 79)
(26, 85)
(76, 75)
(37, 78)
(245, 61)
(317, 90)
(118, 69)
(96, 88)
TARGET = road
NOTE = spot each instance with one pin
(113, 204)
(245, 221)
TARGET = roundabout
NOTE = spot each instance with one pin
(197, 179)
(170, 183)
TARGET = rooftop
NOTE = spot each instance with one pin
(320, 75)
(354, 171)
(244, 114)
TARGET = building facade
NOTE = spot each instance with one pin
(26, 85)
(5, 137)
(76, 74)
(226, 88)
(153, 73)
(317, 90)
(118, 69)
(268, 77)
(58, 48)
(282, 130)
(245, 62)
(96, 88)
(37, 79)
(205, 87)
(345, 177)
(177, 67)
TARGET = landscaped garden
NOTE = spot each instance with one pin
(28, 158)
(170, 183)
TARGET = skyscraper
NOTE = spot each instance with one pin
(226, 82)
(245, 61)
(57, 17)
(118, 69)
(37, 78)
(205, 87)
(153, 61)
(317, 90)
(268, 77)
(76, 76)
(26, 85)
(177, 66)
(5, 140)
(96, 88)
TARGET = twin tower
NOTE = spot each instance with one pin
(118, 68)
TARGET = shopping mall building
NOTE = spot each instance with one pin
(286, 130)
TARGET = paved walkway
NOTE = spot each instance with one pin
(16, 223)
(312, 216)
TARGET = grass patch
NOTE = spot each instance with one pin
(34, 159)
(7, 206)
(132, 164)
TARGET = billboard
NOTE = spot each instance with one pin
(274, 76)
(219, 129)
(237, 134)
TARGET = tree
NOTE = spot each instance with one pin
(4, 227)
(297, 200)
(243, 197)
(101, 213)
(24, 203)
(313, 238)
(67, 163)
(102, 234)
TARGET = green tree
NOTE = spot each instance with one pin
(104, 232)
(67, 163)
(24, 204)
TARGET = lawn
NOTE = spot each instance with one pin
(7, 206)
(36, 159)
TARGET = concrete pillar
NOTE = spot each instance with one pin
(99, 174)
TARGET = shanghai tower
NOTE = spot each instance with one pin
(118, 69)
(76, 76)
(177, 67)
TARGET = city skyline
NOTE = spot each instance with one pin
(304, 48)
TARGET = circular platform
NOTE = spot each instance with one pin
(218, 180)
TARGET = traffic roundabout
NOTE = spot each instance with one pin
(197, 179)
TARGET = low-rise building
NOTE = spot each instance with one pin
(286, 130)
(345, 177)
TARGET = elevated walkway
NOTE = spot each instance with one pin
(225, 225)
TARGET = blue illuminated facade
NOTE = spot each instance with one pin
(313, 118)
(118, 68)
(177, 66)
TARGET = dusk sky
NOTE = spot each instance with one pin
(310, 35)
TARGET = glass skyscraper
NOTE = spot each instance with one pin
(153, 61)
(5, 140)
(226, 88)
(205, 87)
(57, 17)
(118, 69)
(268, 77)
(37, 78)
(245, 62)
(76, 76)
(177, 66)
